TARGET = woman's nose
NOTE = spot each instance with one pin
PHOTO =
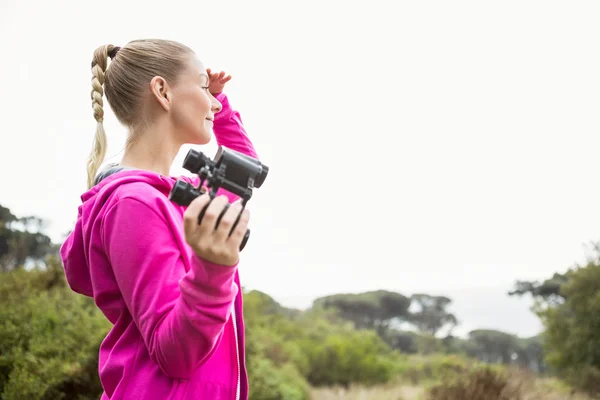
(216, 105)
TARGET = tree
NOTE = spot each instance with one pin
(571, 340)
(531, 354)
(572, 333)
(493, 346)
(405, 341)
(548, 290)
(432, 314)
(369, 310)
(19, 245)
(6, 217)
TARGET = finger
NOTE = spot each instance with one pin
(190, 216)
(237, 219)
(240, 230)
(226, 79)
(222, 232)
(209, 220)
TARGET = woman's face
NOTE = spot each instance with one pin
(193, 106)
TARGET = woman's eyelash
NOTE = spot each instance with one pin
(205, 87)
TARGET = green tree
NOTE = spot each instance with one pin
(49, 337)
(405, 341)
(493, 346)
(22, 239)
(531, 354)
(571, 317)
(548, 290)
(370, 310)
(432, 314)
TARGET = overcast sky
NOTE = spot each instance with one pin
(414, 146)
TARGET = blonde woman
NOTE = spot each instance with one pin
(169, 285)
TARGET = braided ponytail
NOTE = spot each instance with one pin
(125, 82)
(99, 65)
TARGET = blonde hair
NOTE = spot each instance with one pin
(124, 82)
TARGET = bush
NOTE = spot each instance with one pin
(356, 357)
(49, 337)
(482, 383)
(322, 352)
(586, 379)
(268, 382)
(419, 369)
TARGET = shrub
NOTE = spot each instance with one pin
(268, 382)
(356, 357)
(586, 379)
(420, 369)
(481, 383)
(49, 338)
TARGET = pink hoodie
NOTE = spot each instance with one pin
(173, 336)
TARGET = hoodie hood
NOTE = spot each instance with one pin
(75, 251)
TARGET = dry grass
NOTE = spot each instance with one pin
(397, 392)
(481, 385)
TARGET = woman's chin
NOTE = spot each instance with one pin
(201, 138)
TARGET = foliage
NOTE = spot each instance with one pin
(571, 339)
(358, 357)
(432, 314)
(493, 346)
(49, 337)
(431, 368)
(548, 290)
(404, 341)
(572, 335)
(369, 310)
(481, 383)
(322, 352)
(22, 239)
(269, 382)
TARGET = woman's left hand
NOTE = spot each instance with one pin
(217, 81)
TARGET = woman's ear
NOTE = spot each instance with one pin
(161, 92)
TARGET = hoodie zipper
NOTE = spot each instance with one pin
(237, 352)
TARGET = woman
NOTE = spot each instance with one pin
(169, 285)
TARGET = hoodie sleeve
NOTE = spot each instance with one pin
(181, 315)
(230, 132)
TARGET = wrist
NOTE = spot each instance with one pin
(225, 112)
(211, 260)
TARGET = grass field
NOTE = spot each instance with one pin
(519, 386)
(397, 392)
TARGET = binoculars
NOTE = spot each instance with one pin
(230, 170)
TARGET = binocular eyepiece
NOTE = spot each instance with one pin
(230, 170)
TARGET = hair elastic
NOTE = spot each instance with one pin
(114, 51)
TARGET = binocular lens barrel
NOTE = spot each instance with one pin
(261, 178)
(194, 161)
(183, 193)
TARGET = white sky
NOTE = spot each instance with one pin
(432, 146)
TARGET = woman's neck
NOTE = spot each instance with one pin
(151, 150)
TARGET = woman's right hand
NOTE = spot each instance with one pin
(210, 244)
